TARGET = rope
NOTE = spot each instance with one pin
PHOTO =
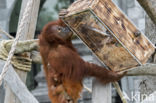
(20, 62)
(88, 89)
(24, 20)
(8, 35)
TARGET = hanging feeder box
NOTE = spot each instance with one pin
(109, 34)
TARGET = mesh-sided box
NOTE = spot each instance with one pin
(109, 34)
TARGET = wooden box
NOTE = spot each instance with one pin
(109, 34)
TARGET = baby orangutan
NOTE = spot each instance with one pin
(64, 68)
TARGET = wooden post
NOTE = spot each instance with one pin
(13, 81)
(28, 33)
(5, 11)
(101, 93)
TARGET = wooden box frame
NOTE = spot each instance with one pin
(109, 34)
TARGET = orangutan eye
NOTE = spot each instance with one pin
(59, 29)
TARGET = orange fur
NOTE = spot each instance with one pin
(61, 60)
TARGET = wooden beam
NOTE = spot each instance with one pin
(5, 11)
(100, 90)
(150, 8)
(17, 86)
(101, 93)
(27, 33)
(144, 70)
